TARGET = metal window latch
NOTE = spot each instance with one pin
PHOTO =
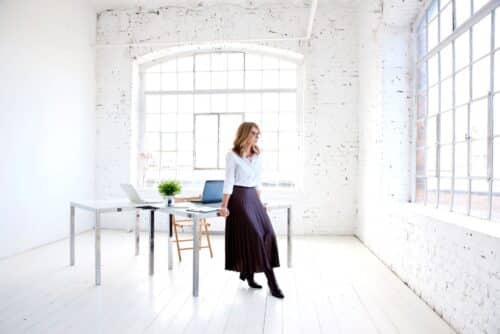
(118, 209)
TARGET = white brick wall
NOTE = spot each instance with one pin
(454, 270)
(327, 202)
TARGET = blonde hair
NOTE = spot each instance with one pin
(242, 137)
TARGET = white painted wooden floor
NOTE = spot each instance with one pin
(335, 286)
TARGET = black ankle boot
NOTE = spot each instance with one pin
(273, 285)
(250, 280)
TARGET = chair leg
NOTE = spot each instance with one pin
(177, 240)
(208, 240)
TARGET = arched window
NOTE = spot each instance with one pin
(191, 106)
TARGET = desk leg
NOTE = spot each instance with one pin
(289, 236)
(97, 248)
(152, 242)
(71, 235)
(137, 230)
(196, 256)
(169, 239)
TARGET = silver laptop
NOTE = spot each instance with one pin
(134, 197)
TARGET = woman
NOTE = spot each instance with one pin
(251, 245)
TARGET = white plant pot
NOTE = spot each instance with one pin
(169, 200)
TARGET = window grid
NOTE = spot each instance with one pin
(177, 92)
(435, 177)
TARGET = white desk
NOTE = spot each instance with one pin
(99, 207)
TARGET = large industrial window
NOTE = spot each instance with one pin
(458, 107)
(192, 106)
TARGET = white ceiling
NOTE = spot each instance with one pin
(101, 5)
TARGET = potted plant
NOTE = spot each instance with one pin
(168, 189)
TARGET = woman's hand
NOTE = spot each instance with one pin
(223, 212)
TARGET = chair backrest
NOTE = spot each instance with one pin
(212, 191)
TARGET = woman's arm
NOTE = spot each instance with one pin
(228, 184)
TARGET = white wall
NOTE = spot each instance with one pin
(47, 118)
(454, 268)
(327, 202)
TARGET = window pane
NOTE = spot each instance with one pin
(287, 65)
(235, 61)
(461, 159)
(253, 117)
(269, 141)
(288, 121)
(185, 81)
(432, 37)
(481, 78)
(228, 126)
(463, 11)
(235, 79)
(270, 121)
(270, 63)
(430, 158)
(446, 22)
(270, 102)
(169, 81)
(479, 198)
(478, 4)
(481, 40)
(219, 80)
(152, 123)
(152, 81)
(185, 141)
(202, 62)
(202, 103)
(479, 119)
(219, 62)
(446, 162)
(288, 102)
(431, 196)
(462, 51)
(169, 66)
(154, 69)
(478, 158)
(202, 80)
(169, 122)
(446, 95)
(462, 87)
(432, 11)
(185, 122)
(185, 158)
(461, 196)
(288, 79)
(288, 142)
(422, 41)
(461, 123)
(444, 193)
(446, 128)
(446, 62)
(168, 160)
(270, 161)
(219, 103)
(185, 64)
(168, 103)
(253, 102)
(185, 104)
(235, 103)
(270, 79)
(253, 62)
(152, 104)
(497, 29)
(433, 70)
(151, 142)
(431, 131)
(253, 79)
(206, 133)
(434, 100)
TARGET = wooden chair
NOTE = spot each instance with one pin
(184, 222)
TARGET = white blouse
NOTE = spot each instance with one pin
(242, 172)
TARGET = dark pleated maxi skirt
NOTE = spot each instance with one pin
(250, 240)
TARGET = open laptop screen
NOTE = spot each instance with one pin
(212, 192)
